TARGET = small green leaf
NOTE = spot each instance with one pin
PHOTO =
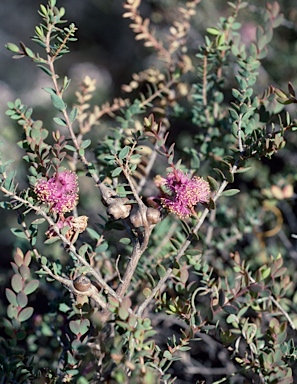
(44, 69)
(85, 144)
(70, 148)
(116, 172)
(167, 355)
(213, 31)
(84, 326)
(60, 121)
(124, 152)
(21, 335)
(12, 47)
(58, 102)
(101, 248)
(17, 283)
(22, 299)
(74, 326)
(25, 272)
(125, 240)
(72, 115)
(242, 170)
(11, 297)
(29, 52)
(147, 292)
(123, 313)
(12, 311)
(230, 192)
(51, 91)
(19, 233)
(161, 271)
(25, 314)
(95, 235)
(31, 287)
(213, 183)
(52, 240)
(83, 249)
(38, 221)
(231, 309)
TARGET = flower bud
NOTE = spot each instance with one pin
(82, 283)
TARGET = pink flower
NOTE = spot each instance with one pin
(183, 193)
(60, 191)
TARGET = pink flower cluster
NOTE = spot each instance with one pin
(60, 191)
(183, 193)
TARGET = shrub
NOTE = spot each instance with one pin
(183, 263)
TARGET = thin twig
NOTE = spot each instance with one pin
(68, 243)
(184, 247)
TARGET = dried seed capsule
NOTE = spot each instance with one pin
(136, 219)
(118, 209)
(82, 283)
(153, 216)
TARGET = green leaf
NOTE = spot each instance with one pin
(213, 183)
(25, 314)
(43, 260)
(17, 283)
(11, 297)
(85, 144)
(83, 249)
(70, 148)
(58, 102)
(95, 235)
(51, 91)
(72, 115)
(231, 309)
(38, 221)
(22, 299)
(124, 152)
(12, 47)
(167, 355)
(213, 31)
(116, 172)
(45, 69)
(31, 287)
(161, 271)
(84, 326)
(125, 240)
(74, 326)
(25, 272)
(52, 240)
(233, 114)
(21, 335)
(230, 192)
(60, 121)
(147, 292)
(242, 170)
(12, 311)
(101, 248)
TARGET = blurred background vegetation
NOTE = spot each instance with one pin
(107, 51)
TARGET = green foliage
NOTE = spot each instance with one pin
(133, 290)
